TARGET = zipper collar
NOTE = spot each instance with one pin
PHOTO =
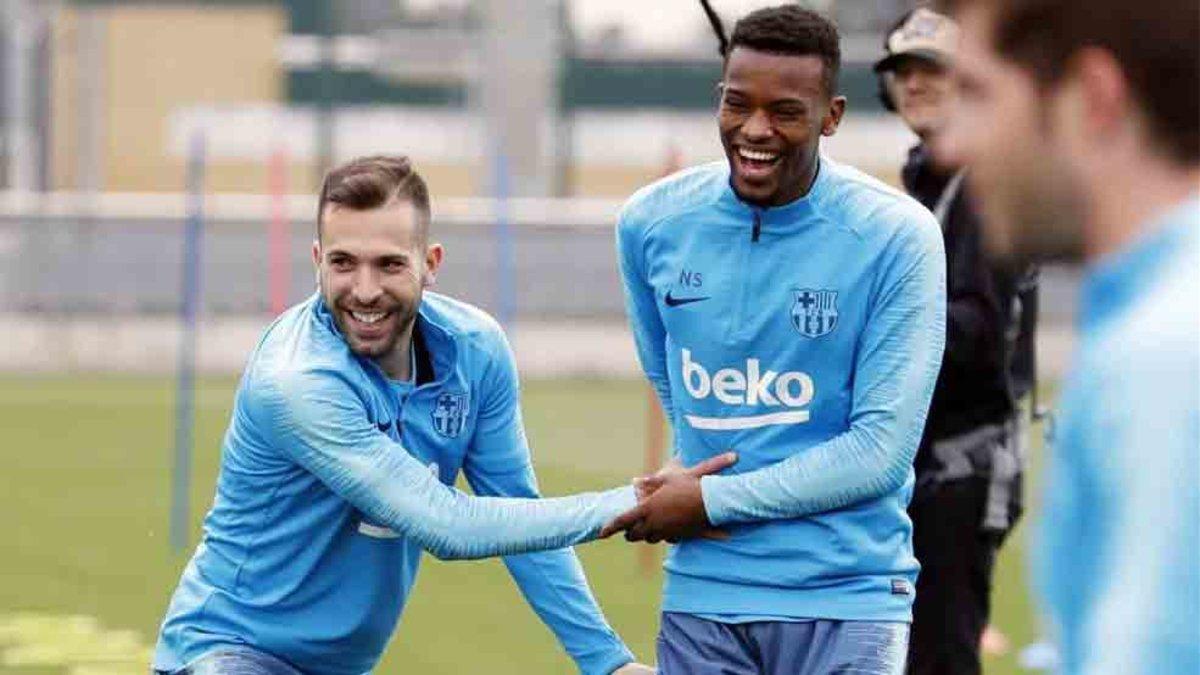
(796, 215)
(1120, 279)
(435, 348)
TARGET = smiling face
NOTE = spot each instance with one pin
(922, 91)
(774, 109)
(373, 266)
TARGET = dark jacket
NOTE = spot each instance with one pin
(991, 312)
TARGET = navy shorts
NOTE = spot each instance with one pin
(236, 661)
(690, 645)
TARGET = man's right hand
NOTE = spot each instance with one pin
(646, 486)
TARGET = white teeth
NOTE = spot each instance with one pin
(756, 155)
(368, 317)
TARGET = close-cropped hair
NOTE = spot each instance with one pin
(791, 30)
(371, 182)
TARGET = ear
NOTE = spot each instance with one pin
(1104, 92)
(316, 258)
(837, 108)
(433, 262)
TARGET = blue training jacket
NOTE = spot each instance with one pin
(333, 479)
(1118, 554)
(808, 338)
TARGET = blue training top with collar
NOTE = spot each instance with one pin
(808, 338)
(333, 479)
(1117, 559)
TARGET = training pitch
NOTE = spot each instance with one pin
(86, 568)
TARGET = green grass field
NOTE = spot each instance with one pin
(86, 571)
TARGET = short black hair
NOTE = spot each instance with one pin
(791, 30)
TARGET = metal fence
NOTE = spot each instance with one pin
(60, 260)
(555, 260)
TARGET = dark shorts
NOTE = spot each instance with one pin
(236, 661)
(954, 589)
(690, 645)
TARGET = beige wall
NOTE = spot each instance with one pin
(154, 60)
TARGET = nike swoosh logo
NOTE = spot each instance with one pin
(675, 302)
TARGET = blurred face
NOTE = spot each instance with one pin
(373, 268)
(774, 109)
(1009, 133)
(922, 91)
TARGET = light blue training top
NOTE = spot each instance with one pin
(333, 479)
(808, 338)
(1118, 558)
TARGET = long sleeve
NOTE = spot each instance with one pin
(978, 295)
(317, 418)
(498, 464)
(896, 367)
(645, 322)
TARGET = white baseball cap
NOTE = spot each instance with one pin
(925, 34)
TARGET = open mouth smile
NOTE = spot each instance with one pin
(754, 163)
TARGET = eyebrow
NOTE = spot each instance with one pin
(789, 99)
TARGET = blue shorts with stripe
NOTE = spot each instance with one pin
(690, 645)
(236, 660)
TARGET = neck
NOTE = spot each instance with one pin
(1130, 201)
(803, 187)
(397, 363)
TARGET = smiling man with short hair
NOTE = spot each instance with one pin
(791, 308)
(356, 413)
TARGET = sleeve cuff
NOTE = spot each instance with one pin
(604, 663)
(618, 501)
(711, 492)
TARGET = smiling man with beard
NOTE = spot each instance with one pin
(793, 309)
(356, 413)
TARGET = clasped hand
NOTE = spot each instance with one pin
(670, 504)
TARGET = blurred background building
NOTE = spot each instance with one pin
(582, 97)
(531, 119)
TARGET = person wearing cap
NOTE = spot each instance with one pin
(968, 465)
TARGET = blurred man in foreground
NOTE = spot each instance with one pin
(968, 466)
(356, 413)
(791, 308)
(1080, 120)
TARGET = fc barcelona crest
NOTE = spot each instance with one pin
(815, 312)
(450, 414)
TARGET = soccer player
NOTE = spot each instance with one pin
(793, 309)
(356, 412)
(968, 465)
(1080, 120)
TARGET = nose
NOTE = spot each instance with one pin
(911, 81)
(366, 286)
(757, 126)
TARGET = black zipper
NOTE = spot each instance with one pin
(757, 230)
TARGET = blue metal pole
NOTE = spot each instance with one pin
(506, 291)
(185, 405)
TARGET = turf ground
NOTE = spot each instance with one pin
(85, 568)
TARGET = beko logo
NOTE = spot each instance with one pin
(751, 386)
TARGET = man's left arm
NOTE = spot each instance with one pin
(498, 464)
(899, 356)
